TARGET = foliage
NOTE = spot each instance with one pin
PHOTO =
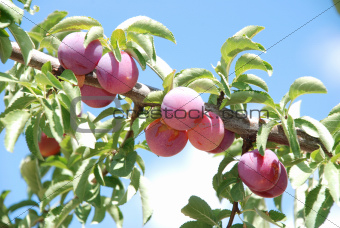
(37, 101)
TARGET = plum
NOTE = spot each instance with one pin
(208, 134)
(74, 56)
(117, 77)
(182, 108)
(103, 99)
(48, 146)
(226, 142)
(163, 140)
(279, 187)
(258, 172)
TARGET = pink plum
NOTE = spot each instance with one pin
(208, 134)
(117, 77)
(182, 108)
(96, 97)
(74, 56)
(226, 142)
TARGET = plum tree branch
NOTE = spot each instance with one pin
(245, 127)
(233, 213)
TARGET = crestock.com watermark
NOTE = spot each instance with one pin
(118, 114)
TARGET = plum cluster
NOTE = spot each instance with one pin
(264, 175)
(183, 119)
(114, 77)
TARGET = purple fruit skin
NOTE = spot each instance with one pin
(117, 77)
(279, 188)
(182, 102)
(72, 54)
(258, 172)
(164, 141)
(93, 91)
(227, 140)
(208, 134)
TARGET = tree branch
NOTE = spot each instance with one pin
(233, 213)
(243, 126)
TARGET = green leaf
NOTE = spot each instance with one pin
(332, 122)
(204, 85)
(292, 136)
(221, 214)
(82, 212)
(98, 174)
(187, 76)
(74, 23)
(56, 83)
(337, 6)
(252, 79)
(69, 76)
(74, 95)
(30, 172)
(67, 208)
(115, 213)
(99, 215)
(145, 197)
(8, 8)
(94, 33)
(168, 82)
(195, 224)
(123, 166)
(262, 135)
(200, 210)
(50, 43)
(55, 190)
(278, 202)
(51, 20)
(299, 205)
(143, 24)
(250, 31)
(21, 204)
(53, 113)
(32, 137)
(14, 122)
(237, 191)
(251, 216)
(251, 61)
(118, 42)
(223, 164)
(155, 97)
(290, 160)
(146, 42)
(24, 41)
(225, 186)
(56, 161)
(136, 54)
(276, 215)
(5, 48)
(318, 204)
(332, 175)
(242, 97)
(306, 85)
(80, 180)
(298, 174)
(267, 218)
(237, 44)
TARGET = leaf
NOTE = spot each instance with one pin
(135, 53)
(221, 214)
(321, 130)
(145, 198)
(118, 42)
(237, 191)
(24, 41)
(225, 186)
(298, 174)
(237, 44)
(168, 82)
(56, 83)
(306, 85)
(318, 204)
(299, 205)
(250, 31)
(30, 172)
(50, 43)
(146, 42)
(32, 137)
(262, 135)
(5, 49)
(337, 6)
(82, 212)
(80, 180)
(292, 135)
(200, 210)
(332, 175)
(55, 190)
(143, 24)
(251, 216)
(98, 174)
(8, 8)
(94, 33)
(251, 61)
(140, 163)
(67, 208)
(99, 215)
(266, 217)
(252, 79)
(204, 85)
(14, 122)
(21, 204)
(69, 76)
(53, 113)
(155, 97)
(74, 23)
(276, 215)
(123, 166)
(332, 122)
(52, 19)
(223, 164)
(56, 161)
(195, 224)
(245, 96)
(278, 202)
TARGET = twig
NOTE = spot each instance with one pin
(233, 213)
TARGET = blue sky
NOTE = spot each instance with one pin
(200, 29)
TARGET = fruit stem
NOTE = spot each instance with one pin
(233, 213)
